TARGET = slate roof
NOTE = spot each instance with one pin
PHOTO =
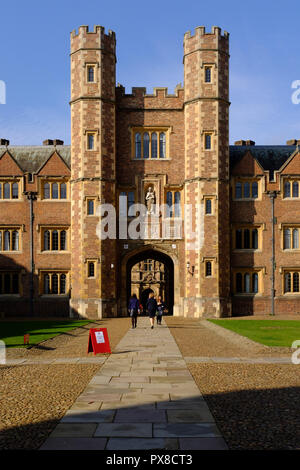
(30, 158)
(270, 157)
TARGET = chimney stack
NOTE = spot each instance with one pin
(4, 142)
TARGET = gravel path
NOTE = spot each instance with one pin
(33, 398)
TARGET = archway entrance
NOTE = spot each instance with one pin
(151, 271)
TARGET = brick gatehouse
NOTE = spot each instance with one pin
(175, 149)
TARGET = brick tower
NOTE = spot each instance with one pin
(206, 106)
(93, 261)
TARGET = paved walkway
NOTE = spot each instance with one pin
(143, 397)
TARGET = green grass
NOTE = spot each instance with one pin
(268, 332)
(12, 333)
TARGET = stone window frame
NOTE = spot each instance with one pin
(51, 181)
(150, 130)
(260, 227)
(51, 272)
(95, 199)
(91, 132)
(95, 262)
(212, 261)
(126, 189)
(10, 181)
(4, 272)
(173, 190)
(283, 270)
(42, 228)
(11, 228)
(213, 198)
(291, 226)
(260, 271)
(243, 180)
(290, 180)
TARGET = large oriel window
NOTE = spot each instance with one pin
(150, 143)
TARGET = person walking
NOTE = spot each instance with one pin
(134, 309)
(151, 307)
(161, 308)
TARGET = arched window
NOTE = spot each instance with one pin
(287, 189)
(63, 240)
(238, 190)
(138, 145)
(208, 268)
(247, 282)
(208, 207)
(239, 282)
(238, 239)
(296, 282)
(169, 203)
(63, 284)
(255, 189)
(6, 191)
(90, 74)
(287, 282)
(254, 239)
(154, 145)
(54, 240)
(295, 238)
(246, 189)
(91, 269)
(177, 204)
(15, 240)
(46, 284)
(46, 240)
(287, 239)
(162, 145)
(54, 284)
(246, 238)
(46, 191)
(63, 191)
(15, 283)
(295, 189)
(15, 190)
(54, 191)
(146, 145)
(6, 240)
(255, 283)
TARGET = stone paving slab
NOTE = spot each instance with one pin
(143, 397)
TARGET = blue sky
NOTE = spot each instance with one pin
(264, 48)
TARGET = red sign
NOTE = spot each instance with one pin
(26, 338)
(98, 341)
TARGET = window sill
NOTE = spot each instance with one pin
(246, 250)
(53, 252)
(54, 296)
(11, 252)
(244, 294)
(14, 296)
(150, 159)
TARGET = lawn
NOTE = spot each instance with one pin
(12, 333)
(269, 332)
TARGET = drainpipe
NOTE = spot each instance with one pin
(272, 195)
(31, 196)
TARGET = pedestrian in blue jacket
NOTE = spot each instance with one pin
(134, 309)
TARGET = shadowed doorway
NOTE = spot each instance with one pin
(151, 271)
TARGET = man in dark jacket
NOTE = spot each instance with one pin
(151, 307)
(133, 308)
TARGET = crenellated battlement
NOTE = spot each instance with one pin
(84, 30)
(95, 39)
(158, 92)
(200, 31)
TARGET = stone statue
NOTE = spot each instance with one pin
(150, 200)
